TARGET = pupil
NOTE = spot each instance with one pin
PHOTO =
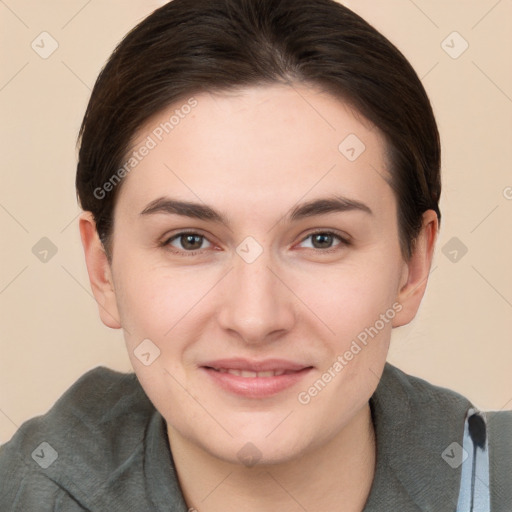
(322, 240)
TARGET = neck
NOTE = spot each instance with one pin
(336, 476)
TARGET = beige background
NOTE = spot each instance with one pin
(51, 332)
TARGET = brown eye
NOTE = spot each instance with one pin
(323, 240)
(191, 242)
(187, 241)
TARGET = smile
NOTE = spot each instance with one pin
(255, 379)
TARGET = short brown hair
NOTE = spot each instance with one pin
(191, 46)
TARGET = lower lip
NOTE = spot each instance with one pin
(256, 387)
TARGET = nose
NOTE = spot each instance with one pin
(256, 306)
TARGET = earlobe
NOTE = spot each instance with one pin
(417, 270)
(100, 274)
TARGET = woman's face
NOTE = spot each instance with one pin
(257, 269)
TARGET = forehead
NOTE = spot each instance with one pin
(270, 143)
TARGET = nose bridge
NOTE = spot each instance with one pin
(256, 303)
(255, 283)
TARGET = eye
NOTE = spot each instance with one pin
(188, 242)
(323, 240)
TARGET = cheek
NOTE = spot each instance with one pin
(158, 302)
(147, 299)
(351, 298)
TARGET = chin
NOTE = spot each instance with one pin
(256, 454)
(253, 448)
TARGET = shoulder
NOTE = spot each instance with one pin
(405, 391)
(98, 424)
(415, 423)
(418, 421)
(500, 422)
(499, 425)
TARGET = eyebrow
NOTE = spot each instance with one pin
(204, 212)
(328, 205)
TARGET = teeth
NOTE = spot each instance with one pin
(251, 374)
(270, 373)
(245, 373)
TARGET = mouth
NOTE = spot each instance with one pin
(251, 374)
(255, 379)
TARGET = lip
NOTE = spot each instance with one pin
(289, 373)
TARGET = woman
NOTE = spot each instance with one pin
(260, 183)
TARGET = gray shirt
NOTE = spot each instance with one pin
(103, 447)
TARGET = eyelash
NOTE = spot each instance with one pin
(343, 241)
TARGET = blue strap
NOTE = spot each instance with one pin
(474, 494)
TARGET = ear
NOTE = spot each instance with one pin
(100, 274)
(416, 270)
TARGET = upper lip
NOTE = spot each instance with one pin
(255, 366)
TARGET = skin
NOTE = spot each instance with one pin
(254, 155)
